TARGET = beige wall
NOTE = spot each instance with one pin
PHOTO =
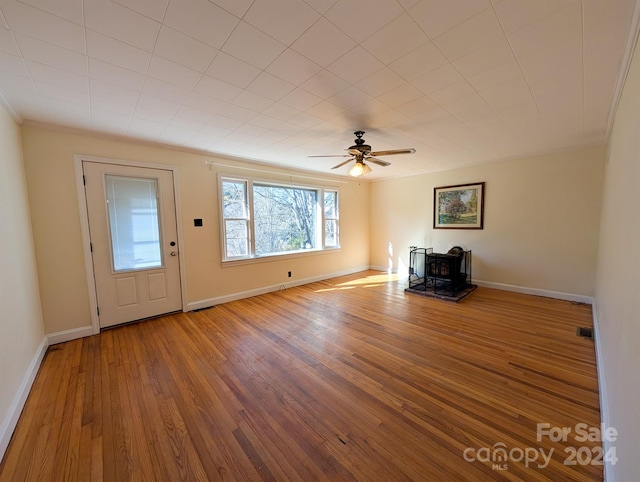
(540, 226)
(618, 281)
(49, 163)
(21, 329)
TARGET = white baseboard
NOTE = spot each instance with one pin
(198, 305)
(518, 289)
(15, 409)
(536, 291)
(68, 335)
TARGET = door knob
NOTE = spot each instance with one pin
(173, 253)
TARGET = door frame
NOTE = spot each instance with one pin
(86, 237)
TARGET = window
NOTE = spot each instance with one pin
(263, 219)
(235, 213)
(285, 219)
(331, 219)
(134, 227)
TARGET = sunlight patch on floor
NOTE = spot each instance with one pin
(335, 289)
(365, 282)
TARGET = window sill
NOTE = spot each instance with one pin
(277, 257)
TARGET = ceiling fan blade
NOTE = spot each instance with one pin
(393, 151)
(354, 152)
(342, 163)
(379, 162)
(336, 155)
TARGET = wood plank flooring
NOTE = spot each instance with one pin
(345, 379)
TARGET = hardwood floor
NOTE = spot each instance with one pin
(345, 379)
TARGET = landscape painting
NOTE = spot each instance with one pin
(459, 207)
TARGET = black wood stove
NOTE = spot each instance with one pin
(446, 274)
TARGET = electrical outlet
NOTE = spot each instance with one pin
(289, 274)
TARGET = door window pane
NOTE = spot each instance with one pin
(133, 222)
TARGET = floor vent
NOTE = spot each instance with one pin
(585, 332)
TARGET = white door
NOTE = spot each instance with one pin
(134, 243)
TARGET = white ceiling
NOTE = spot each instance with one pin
(462, 81)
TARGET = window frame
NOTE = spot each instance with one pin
(335, 218)
(249, 183)
(246, 218)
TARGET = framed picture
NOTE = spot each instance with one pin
(458, 207)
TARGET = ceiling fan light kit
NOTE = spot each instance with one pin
(360, 152)
(359, 169)
(356, 170)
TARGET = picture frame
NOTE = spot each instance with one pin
(459, 207)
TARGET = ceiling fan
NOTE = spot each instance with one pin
(361, 152)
